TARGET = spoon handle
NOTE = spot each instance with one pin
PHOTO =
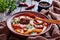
(49, 21)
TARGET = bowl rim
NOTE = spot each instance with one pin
(43, 6)
(24, 34)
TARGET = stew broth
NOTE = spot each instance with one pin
(26, 24)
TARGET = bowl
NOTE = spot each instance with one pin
(43, 5)
(9, 20)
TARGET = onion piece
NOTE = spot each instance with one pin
(39, 21)
(44, 28)
(33, 33)
(22, 17)
(39, 26)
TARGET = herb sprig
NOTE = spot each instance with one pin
(7, 4)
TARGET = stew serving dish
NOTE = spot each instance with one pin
(24, 24)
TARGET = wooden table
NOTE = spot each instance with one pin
(29, 2)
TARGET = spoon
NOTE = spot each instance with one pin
(46, 20)
(49, 21)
